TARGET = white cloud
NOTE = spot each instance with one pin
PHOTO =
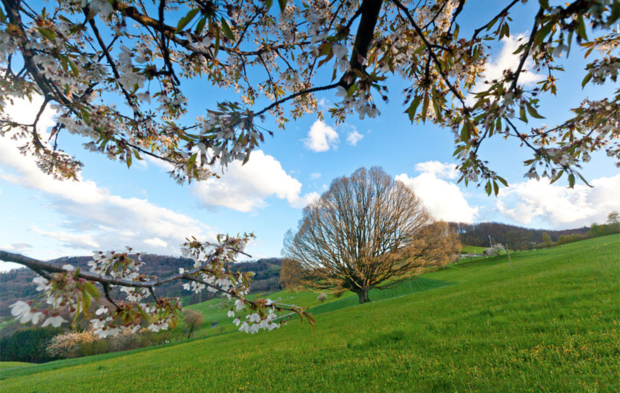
(245, 187)
(156, 242)
(16, 247)
(506, 60)
(443, 199)
(78, 240)
(559, 206)
(354, 137)
(164, 165)
(324, 103)
(321, 137)
(306, 200)
(93, 218)
(315, 176)
(440, 170)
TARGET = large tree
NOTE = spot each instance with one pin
(366, 230)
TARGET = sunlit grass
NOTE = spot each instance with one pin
(549, 324)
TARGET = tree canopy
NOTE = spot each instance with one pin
(115, 72)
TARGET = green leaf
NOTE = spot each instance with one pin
(505, 32)
(191, 161)
(503, 181)
(47, 33)
(559, 175)
(581, 27)
(413, 108)
(216, 49)
(522, 114)
(532, 111)
(465, 132)
(424, 107)
(583, 179)
(86, 301)
(487, 188)
(586, 80)
(92, 290)
(128, 159)
(571, 180)
(74, 68)
(282, 5)
(227, 31)
(495, 187)
(437, 109)
(544, 4)
(268, 3)
(186, 19)
(352, 90)
(201, 25)
(2, 16)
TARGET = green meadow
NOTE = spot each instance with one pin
(551, 323)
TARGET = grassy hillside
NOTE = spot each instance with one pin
(4, 365)
(550, 324)
(472, 250)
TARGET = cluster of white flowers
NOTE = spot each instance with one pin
(116, 264)
(255, 322)
(63, 291)
(361, 101)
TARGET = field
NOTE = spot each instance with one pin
(549, 324)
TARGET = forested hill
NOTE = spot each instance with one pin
(17, 284)
(515, 237)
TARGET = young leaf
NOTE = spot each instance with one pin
(465, 132)
(413, 108)
(532, 111)
(191, 161)
(503, 181)
(227, 31)
(92, 290)
(186, 19)
(47, 33)
(282, 5)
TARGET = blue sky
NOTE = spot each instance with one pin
(112, 207)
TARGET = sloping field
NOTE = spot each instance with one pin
(550, 324)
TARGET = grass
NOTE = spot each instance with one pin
(4, 365)
(550, 324)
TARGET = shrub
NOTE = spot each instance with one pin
(193, 321)
(70, 344)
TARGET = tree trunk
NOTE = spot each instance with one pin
(363, 295)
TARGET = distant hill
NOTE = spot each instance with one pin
(515, 237)
(17, 284)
